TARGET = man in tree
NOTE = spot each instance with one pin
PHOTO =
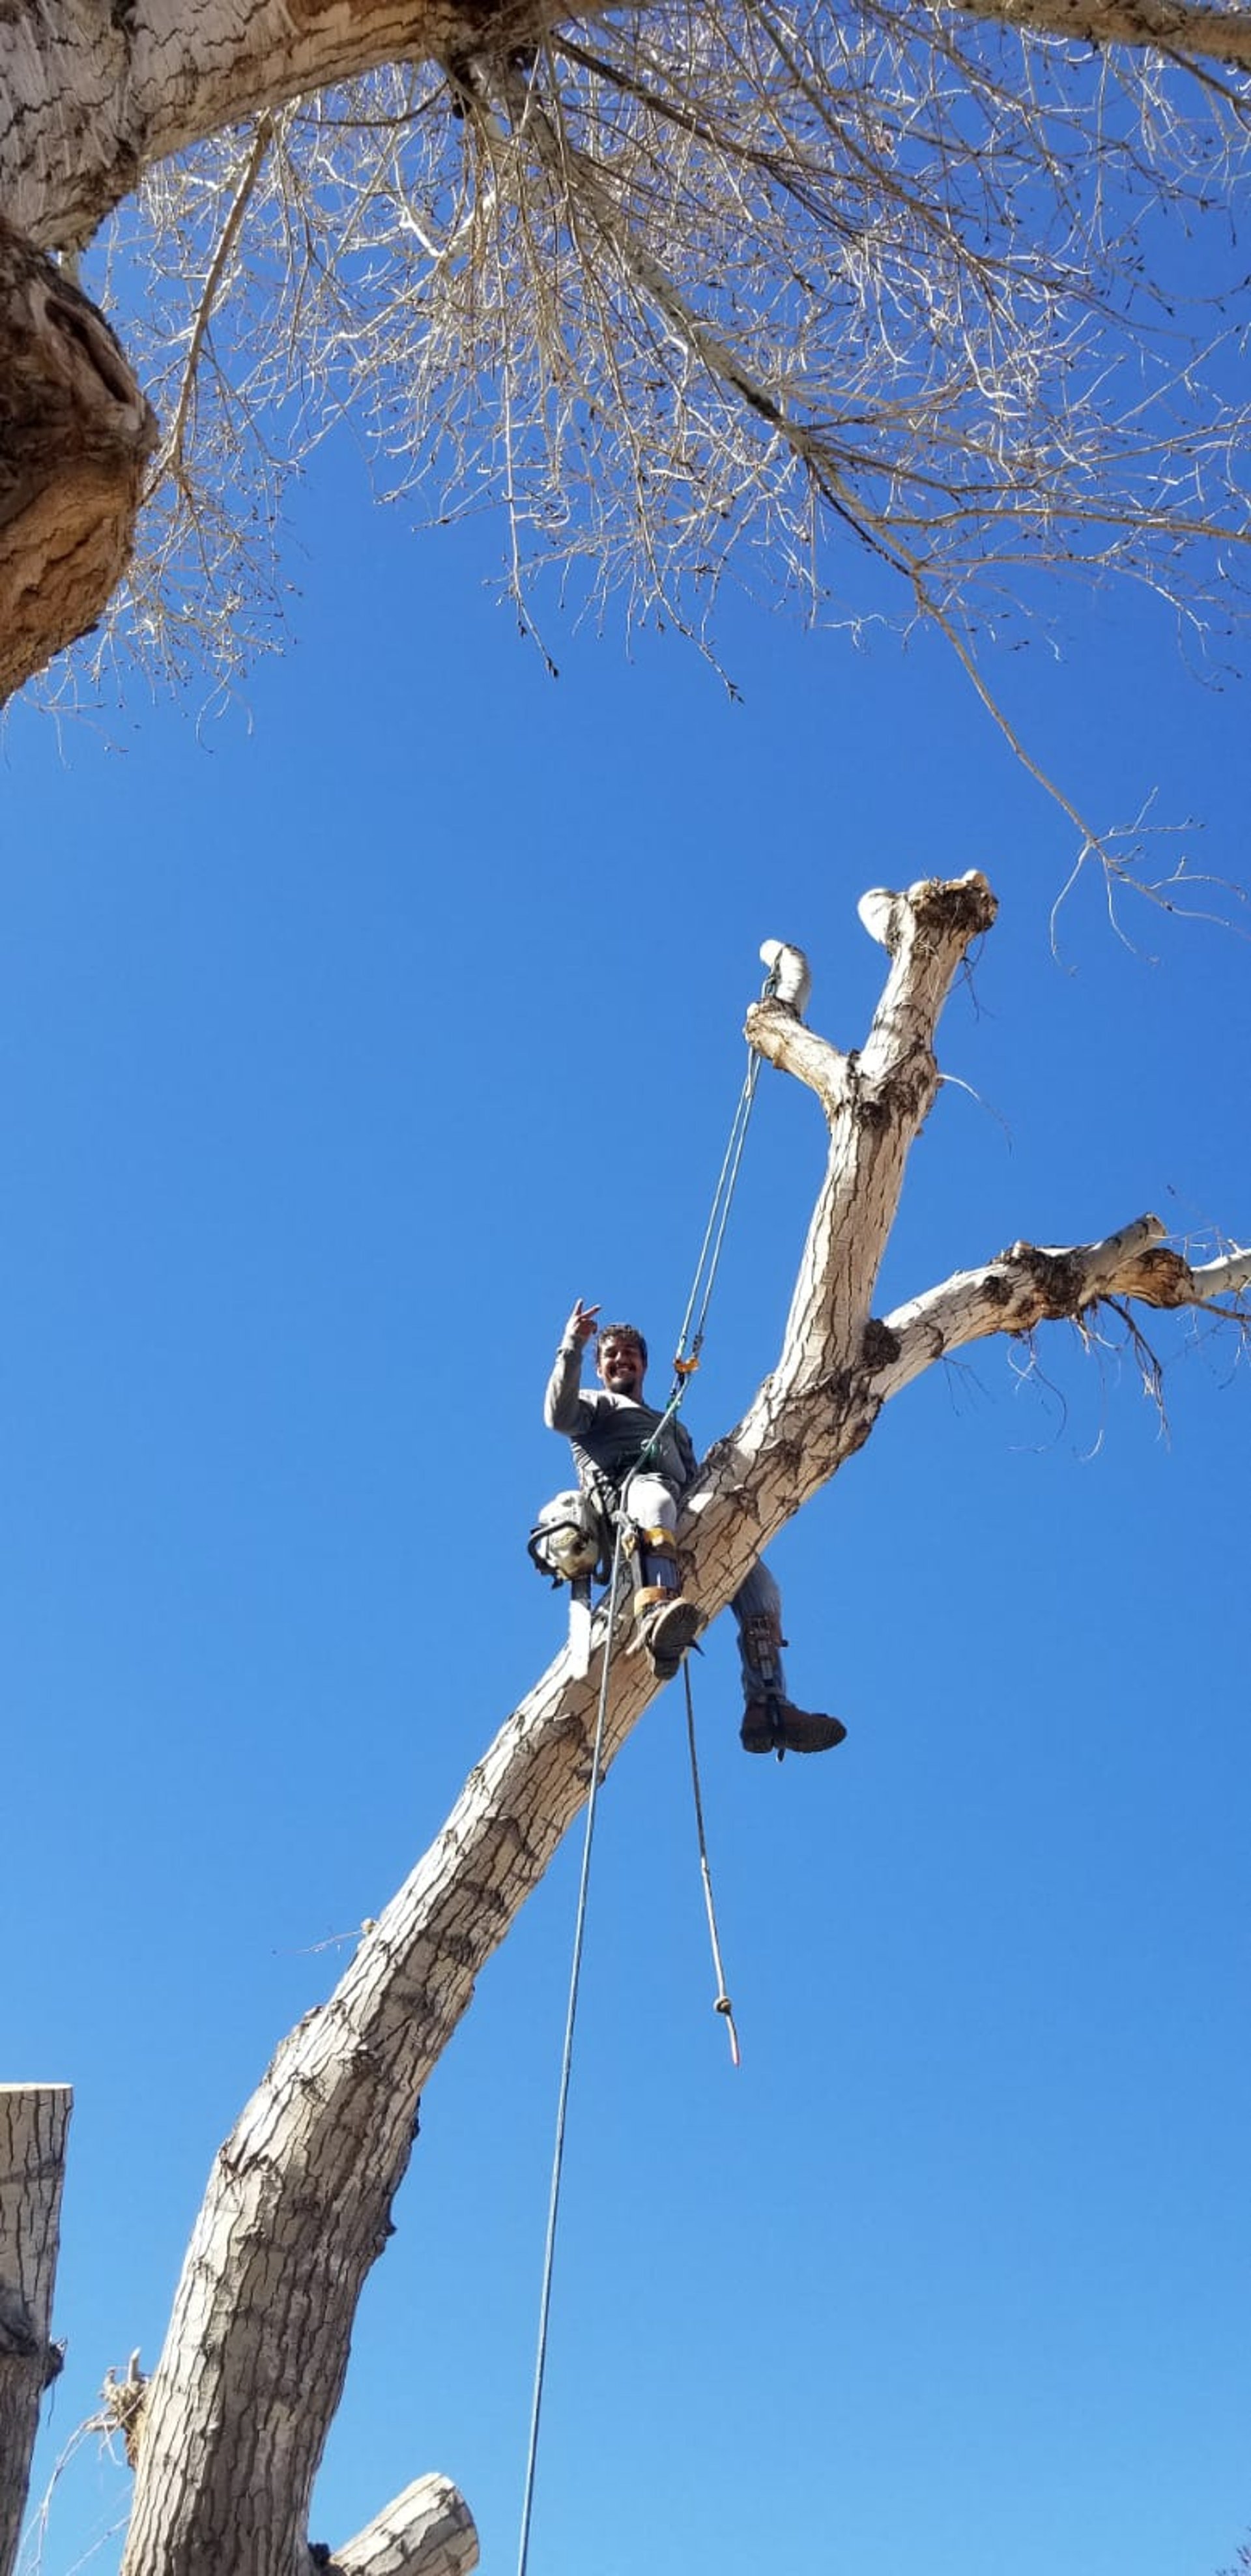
(611, 1435)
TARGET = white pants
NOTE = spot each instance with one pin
(757, 1604)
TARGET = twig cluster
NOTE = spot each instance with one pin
(876, 307)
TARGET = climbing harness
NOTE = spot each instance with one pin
(559, 1545)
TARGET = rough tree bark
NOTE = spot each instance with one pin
(89, 96)
(1218, 35)
(34, 2121)
(426, 2531)
(75, 433)
(297, 2206)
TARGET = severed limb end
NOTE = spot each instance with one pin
(878, 911)
(426, 2531)
(790, 976)
(933, 904)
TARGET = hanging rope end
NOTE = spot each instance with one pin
(724, 2006)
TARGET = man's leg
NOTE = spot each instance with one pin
(666, 1624)
(651, 1508)
(771, 1722)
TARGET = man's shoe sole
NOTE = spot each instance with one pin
(672, 1631)
(805, 1733)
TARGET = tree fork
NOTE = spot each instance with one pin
(297, 2206)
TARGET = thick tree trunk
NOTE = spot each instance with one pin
(297, 2206)
(75, 433)
(34, 2122)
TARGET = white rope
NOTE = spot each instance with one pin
(705, 1276)
(722, 1201)
(575, 1974)
(721, 2003)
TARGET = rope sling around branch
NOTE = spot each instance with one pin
(684, 1365)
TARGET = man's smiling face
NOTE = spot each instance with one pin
(621, 1365)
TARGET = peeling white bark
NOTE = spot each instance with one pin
(296, 2208)
(34, 2122)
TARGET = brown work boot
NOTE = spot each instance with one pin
(777, 1726)
(665, 1631)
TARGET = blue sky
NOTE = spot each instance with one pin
(345, 1041)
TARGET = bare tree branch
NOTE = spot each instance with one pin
(297, 2206)
(1214, 35)
(817, 293)
(1033, 1284)
(170, 459)
(426, 2531)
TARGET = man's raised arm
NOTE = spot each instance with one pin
(564, 1408)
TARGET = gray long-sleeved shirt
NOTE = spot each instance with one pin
(608, 1432)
